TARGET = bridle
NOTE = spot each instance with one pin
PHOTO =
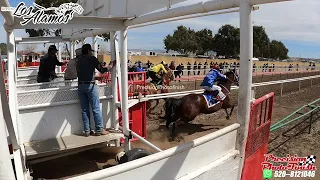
(171, 77)
(236, 80)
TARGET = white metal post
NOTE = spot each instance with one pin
(95, 46)
(12, 79)
(6, 169)
(246, 55)
(60, 55)
(114, 80)
(118, 68)
(10, 124)
(124, 87)
(71, 50)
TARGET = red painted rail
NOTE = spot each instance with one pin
(258, 137)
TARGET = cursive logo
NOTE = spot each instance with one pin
(41, 15)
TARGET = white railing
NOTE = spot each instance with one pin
(55, 96)
(184, 93)
(62, 92)
(204, 71)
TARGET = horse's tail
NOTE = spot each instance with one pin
(170, 108)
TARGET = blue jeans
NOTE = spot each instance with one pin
(88, 94)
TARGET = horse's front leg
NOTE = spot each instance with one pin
(157, 103)
(229, 114)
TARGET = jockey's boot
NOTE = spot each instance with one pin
(214, 95)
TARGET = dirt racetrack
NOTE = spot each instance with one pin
(93, 160)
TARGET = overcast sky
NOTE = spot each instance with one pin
(295, 23)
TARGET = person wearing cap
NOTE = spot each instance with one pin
(154, 73)
(88, 90)
(209, 80)
(48, 65)
(71, 71)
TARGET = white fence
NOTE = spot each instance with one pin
(183, 93)
(182, 162)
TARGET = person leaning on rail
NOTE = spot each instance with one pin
(71, 71)
(88, 90)
(48, 65)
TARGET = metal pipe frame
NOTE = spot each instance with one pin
(201, 7)
(34, 40)
(7, 15)
(6, 168)
(124, 86)
(244, 97)
(114, 81)
(60, 44)
(156, 157)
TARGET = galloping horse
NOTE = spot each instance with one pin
(190, 106)
(150, 88)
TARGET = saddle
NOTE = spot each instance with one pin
(212, 98)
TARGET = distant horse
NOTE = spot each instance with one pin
(150, 88)
(190, 106)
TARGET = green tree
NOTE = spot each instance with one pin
(227, 41)
(205, 41)
(169, 43)
(278, 50)
(3, 47)
(183, 40)
(261, 42)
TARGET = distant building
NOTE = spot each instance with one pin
(149, 53)
(31, 57)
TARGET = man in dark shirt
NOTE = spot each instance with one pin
(48, 65)
(87, 89)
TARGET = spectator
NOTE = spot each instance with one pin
(194, 68)
(178, 72)
(211, 64)
(189, 68)
(48, 65)
(172, 66)
(87, 90)
(273, 67)
(139, 69)
(205, 67)
(149, 64)
(182, 69)
(199, 68)
(71, 71)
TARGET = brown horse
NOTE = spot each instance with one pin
(190, 106)
(152, 89)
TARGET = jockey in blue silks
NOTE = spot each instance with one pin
(208, 82)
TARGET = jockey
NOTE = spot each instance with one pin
(154, 73)
(211, 78)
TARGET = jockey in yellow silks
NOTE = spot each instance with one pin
(155, 72)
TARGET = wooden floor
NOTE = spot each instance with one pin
(67, 143)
